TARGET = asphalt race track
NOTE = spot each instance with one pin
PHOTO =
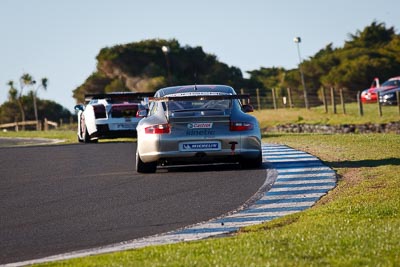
(56, 199)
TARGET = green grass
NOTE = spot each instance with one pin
(356, 224)
(317, 115)
(67, 135)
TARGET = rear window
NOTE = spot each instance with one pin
(200, 105)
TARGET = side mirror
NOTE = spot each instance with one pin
(79, 107)
(247, 108)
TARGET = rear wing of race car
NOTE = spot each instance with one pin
(118, 95)
(197, 97)
(245, 108)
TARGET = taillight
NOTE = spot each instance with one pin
(240, 126)
(157, 129)
(99, 111)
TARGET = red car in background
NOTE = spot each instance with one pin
(370, 95)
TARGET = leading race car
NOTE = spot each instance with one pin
(109, 115)
(197, 124)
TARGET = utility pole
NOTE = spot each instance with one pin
(297, 40)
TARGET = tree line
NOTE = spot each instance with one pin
(23, 103)
(144, 66)
(372, 52)
(148, 65)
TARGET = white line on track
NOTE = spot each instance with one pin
(301, 180)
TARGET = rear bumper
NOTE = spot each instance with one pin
(109, 127)
(168, 151)
(114, 134)
(170, 158)
(206, 157)
(108, 130)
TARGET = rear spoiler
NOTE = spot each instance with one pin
(197, 97)
(130, 95)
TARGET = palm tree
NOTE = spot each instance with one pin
(12, 98)
(43, 85)
(13, 92)
(25, 80)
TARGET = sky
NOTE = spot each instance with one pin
(59, 39)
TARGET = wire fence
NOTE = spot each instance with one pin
(333, 100)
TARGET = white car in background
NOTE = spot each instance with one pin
(109, 115)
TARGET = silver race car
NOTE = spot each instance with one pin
(109, 115)
(197, 124)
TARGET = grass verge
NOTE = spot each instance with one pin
(317, 115)
(356, 224)
(69, 137)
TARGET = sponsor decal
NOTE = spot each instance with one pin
(201, 132)
(200, 125)
(123, 126)
(200, 146)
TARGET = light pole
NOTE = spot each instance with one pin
(165, 50)
(297, 40)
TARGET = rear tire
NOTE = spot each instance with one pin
(143, 167)
(251, 163)
(85, 134)
(83, 131)
(80, 139)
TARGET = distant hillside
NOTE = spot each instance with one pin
(144, 67)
